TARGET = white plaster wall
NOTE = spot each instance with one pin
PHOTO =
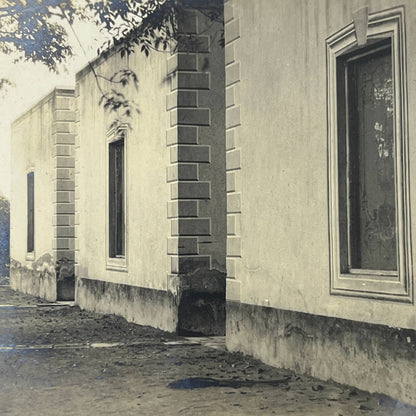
(283, 142)
(147, 189)
(31, 149)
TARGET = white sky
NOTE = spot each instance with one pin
(33, 81)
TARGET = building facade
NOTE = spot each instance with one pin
(42, 198)
(284, 160)
(320, 163)
(150, 196)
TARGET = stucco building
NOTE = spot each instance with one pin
(150, 197)
(320, 164)
(42, 198)
(295, 140)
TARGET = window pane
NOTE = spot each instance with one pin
(116, 199)
(30, 212)
(371, 168)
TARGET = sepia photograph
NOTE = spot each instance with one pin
(206, 207)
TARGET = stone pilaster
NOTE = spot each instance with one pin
(233, 155)
(196, 143)
(64, 190)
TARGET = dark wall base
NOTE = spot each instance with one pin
(191, 311)
(201, 314)
(65, 271)
(143, 306)
(372, 357)
(66, 288)
(39, 284)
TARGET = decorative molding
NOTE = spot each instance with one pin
(120, 132)
(360, 18)
(387, 24)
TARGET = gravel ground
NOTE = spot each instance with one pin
(59, 360)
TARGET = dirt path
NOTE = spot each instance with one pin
(59, 360)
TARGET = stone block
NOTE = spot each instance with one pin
(232, 117)
(231, 181)
(232, 30)
(231, 267)
(64, 173)
(63, 196)
(64, 162)
(191, 81)
(64, 138)
(228, 11)
(182, 98)
(189, 264)
(196, 154)
(182, 62)
(63, 150)
(64, 115)
(63, 220)
(233, 246)
(229, 97)
(234, 203)
(64, 244)
(64, 185)
(191, 190)
(194, 43)
(231, 226)
(232, 73)
(233, 160)
(64, 231)
(63, 127)
(192, 116)
(182, 135)
(229, 53)
(230, 139)
(183, 245)
(64, 208)
(186, 172)
(182, 209)
(233, 292)
(64, 103)
(191, 226)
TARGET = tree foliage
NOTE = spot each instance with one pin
(32, 30)
(36, 30)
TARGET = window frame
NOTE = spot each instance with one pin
(388, 24)
(120, 262)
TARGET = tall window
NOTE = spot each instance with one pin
(367, 177)
(116, 198)
(370, 244)
(30, 212)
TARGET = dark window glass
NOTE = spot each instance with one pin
(116, 199)
(369, 154)
(30, 212)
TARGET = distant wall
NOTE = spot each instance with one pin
(42, 143)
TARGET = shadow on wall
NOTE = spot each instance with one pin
(4, 239)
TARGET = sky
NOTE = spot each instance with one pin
(34, 81)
